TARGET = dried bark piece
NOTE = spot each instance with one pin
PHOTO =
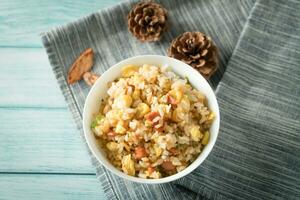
(81, 65)
(90, 78)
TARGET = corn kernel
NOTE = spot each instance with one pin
(106, 108)
(113, 116)
(148, 123)
(105, 126)
(155, 175)
(128, 115)
(176, 94)
(211, 116)
(137, 79)
(112, 146)
(196, 135)
(98, 131)
(128, 165)
(123, 101)
(136, 94)
(120, 129)
(157, 150)
(177, 114)
(185, 103)
(205, 138)
(129, 70)
(142, 109)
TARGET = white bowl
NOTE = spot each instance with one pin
(99, 89)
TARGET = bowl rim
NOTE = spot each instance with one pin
(173, 177)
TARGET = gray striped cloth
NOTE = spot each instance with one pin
(257, 152)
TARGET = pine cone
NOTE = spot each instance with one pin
(147, 21)
(197, 50)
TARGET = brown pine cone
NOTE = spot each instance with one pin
(147, 21)
(197, 50)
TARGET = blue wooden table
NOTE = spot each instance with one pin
(41, 153)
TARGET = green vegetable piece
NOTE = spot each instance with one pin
(187, 79)
(94, 124)
(99, 118)
(97, 121)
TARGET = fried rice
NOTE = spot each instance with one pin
(153, 123)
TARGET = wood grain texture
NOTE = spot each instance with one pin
(26, 79)
(36, 186)
(41, 140)
(23, 21)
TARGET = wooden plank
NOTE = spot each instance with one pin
(41, 140)
(35, 186)
(21, 22)
(26, 79)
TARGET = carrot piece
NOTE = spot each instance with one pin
(150, 169)
(111, 135)
(174, 151)
(152, 116)
(171, 100)
(140, 152)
